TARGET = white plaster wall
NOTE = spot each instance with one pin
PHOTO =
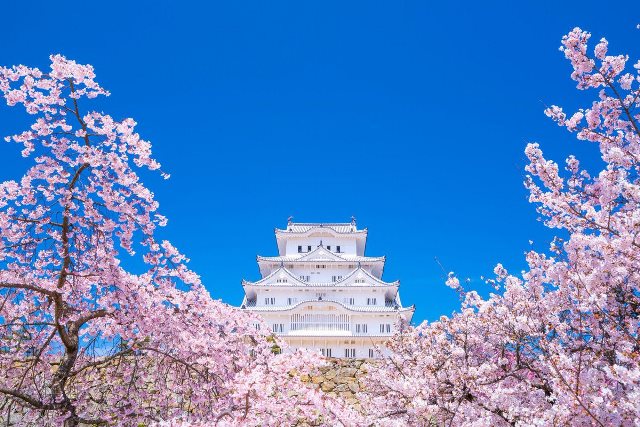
(359, 295)
(373, 322)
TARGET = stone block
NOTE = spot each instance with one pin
(327, 386)
(341, 387)
(330, 374)
(348, 372)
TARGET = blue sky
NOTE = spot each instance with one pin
(412, 116)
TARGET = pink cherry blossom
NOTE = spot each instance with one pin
(84, 340)
(559, 344)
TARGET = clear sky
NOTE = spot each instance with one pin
(411, 116)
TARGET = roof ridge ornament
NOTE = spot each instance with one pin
(353, 220)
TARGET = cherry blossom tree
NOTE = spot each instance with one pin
(83, 340)
(558, 344)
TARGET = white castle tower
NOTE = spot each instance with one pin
(322, 293)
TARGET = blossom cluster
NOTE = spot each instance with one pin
(558, 344)
(84, 340)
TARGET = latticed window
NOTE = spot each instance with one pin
(385, 327)
(320, 322)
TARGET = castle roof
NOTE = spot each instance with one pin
(407, 311)
(296, 282)
(304, 228)
(321, 254)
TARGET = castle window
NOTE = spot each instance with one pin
(371, 352)
(371, 301)
(328, 248)
(308, 248)
(338, 249)
(269, 301)
(349, 352)
(299, 249)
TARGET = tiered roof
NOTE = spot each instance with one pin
(321, 255)
(274, 268)
(366, 308)
(296, 282)
(344, 259)
(304, 228)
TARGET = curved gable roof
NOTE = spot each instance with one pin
(295, 281)
(374, 309)
(320, 254)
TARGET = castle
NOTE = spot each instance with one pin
(321, 292)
